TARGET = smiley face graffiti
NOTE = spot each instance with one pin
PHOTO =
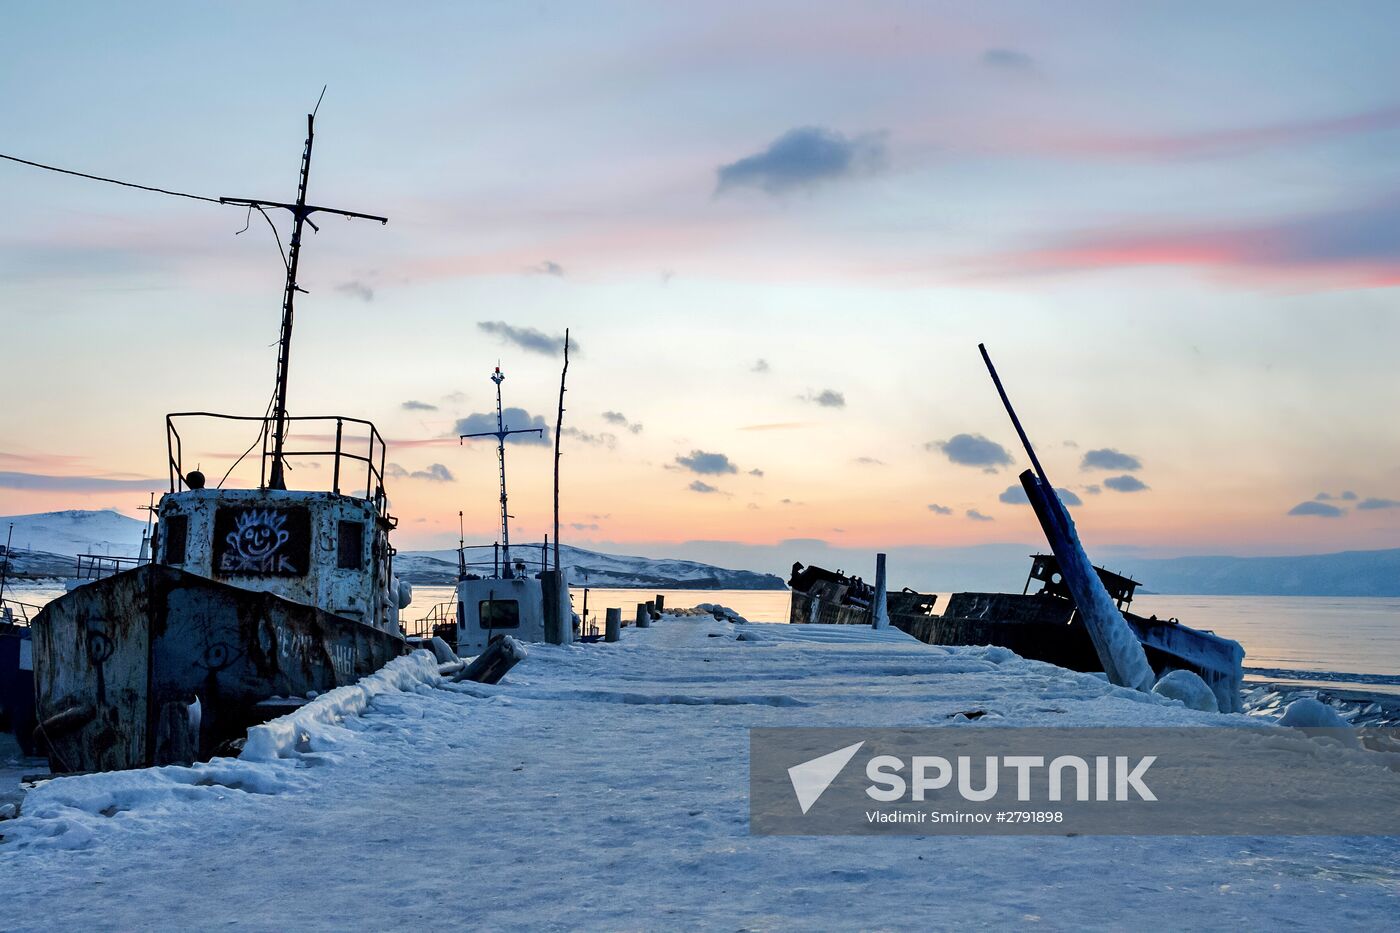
(256, 542)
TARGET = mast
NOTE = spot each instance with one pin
(500, 434)
(301, 213)
(461, 547)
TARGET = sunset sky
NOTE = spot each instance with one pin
(777, 232)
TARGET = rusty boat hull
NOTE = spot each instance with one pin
(1039, 626)
(158, 666)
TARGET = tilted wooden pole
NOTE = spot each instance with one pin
(1119, 650)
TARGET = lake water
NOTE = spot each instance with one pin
(1287, 639)
(1342, 642)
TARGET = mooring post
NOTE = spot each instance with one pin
(557, 624)
(614, 625)
(652, 610)
(879, 607)
(643, 616)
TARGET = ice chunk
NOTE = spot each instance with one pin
(1189, 688)
(1309, 713)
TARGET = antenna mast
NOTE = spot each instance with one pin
(301, 213)
(500, 434)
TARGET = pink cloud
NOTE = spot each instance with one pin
(1230, 141)
(1349, 247)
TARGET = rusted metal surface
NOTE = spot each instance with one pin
(1037, 627)
(122, 648)
(288, 542)
(1047, 628)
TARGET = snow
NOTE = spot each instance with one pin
(595, 569)
(1308, 713)
(605, 787)
(319, 724)
(715, 609)
(1189, 688)
(77, 531)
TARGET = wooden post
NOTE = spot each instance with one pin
(557, 626)
(614, 623)
(880, 605)
(643, 616)
(660, 603)
(558, 432)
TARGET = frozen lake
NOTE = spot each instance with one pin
(1287, 639)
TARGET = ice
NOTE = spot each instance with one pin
(607, 787)
(316, 725)
(1188, 688)
(723, 612)
(1118, 648)
(1308, 713)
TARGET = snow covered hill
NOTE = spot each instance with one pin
(603, 570)
(75, 531)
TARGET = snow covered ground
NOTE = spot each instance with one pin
(605, 786)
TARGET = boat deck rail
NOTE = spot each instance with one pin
(13, 612)
(101, 566)
(441, 615)
(360, 450)
(525, 559)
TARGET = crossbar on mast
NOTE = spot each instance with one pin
(301, 212)
(500, 434)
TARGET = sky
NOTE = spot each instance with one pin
(777, 233)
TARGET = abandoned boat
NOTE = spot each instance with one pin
(1041, 625)
(17, 671)
(251, 594)
(1080, 617)
(508, 594)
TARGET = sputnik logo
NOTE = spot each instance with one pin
(810, 779)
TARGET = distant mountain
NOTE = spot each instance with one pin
(75, 531)
(996, 567)
(1349, 573)
(602, 570)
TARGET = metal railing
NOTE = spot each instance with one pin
(14, 612)
(533, 557)
(441, 616)
(101, 566)
(373, 456)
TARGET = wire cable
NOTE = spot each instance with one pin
(110, 181)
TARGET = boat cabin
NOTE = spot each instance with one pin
(327, 548)
(490, 607)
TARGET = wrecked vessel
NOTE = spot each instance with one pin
(251, 594)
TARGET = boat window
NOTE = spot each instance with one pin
(352, 546)
(499, 613)
(177, 531)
